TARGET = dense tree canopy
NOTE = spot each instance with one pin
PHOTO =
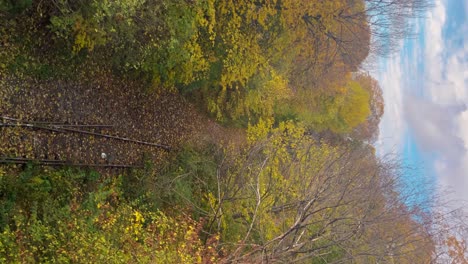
(290, 177)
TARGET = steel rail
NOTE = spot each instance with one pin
(61, 129)
(46, 162)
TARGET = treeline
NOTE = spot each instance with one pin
(282, 198)
(305, 187)
(242, 61)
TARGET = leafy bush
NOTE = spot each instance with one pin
(72, 216)
(14, 6)
(184, 182)
(159, 38)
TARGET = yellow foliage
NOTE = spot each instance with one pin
(259, 131)
(86, 35)
(270, 172)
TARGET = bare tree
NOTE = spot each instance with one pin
(298, 201)
(387, 21)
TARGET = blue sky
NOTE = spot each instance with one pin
(425, 89)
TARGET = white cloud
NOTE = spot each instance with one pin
(438, 118)
(446, 63)
(392, 123)
(434, 41)
(456, 177)
(441, 130)
(436, 115)
(447, 85)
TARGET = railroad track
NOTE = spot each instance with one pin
(79, 129)
(48, 162)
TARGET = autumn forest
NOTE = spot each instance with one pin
(206, 131)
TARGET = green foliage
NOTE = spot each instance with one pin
(86, 33)
(239, 68)
(356, 107)
(278, 68)
(161, 39)
(14, 6)
(23, 51)
(175, 43)
(71, 216)
(90, 24)
(340, 111)
(34, 191)
(184, 181)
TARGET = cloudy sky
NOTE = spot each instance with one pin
(426, 93)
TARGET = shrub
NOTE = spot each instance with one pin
(50, 217)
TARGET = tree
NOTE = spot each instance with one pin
(355, 109)
(340, 108)
(457, 250)
(369, 130)
(291, 199)
(341, 33)
(160, 40)
(386, 21)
